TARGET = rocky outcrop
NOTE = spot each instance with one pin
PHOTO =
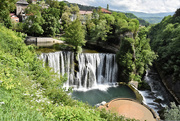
(172, 87)
(101, 47)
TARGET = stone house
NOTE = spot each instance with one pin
(21, 5)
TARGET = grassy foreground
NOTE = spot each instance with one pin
(28, 91)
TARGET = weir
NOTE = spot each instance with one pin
(94, 68)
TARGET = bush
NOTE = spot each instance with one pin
(172, 113)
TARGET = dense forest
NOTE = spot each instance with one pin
(165, 41)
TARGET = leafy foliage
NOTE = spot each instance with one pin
(69, 14)
(33, 24)
(6, 6)
(142, 22)
(29, 91)
(173, 112)
(51, 25)
(135, 55)
(75, 34)
(165, 41)
(42, 21)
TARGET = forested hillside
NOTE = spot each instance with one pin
(165, 41)
(152, 18)
(129, 15)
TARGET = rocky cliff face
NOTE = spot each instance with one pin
(172, 87)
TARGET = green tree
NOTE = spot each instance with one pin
(165, 41)
(134, 56)
(109, 18)
(74, 9)
(75, 35)
(6, 6)
(89, 26)
(70, 12)
(53, 3)
(177, 13)
(51, 25)
(33, 24)
(62, 7)
(100, 31)
(173, 112)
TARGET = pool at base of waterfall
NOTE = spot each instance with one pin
(96, 96)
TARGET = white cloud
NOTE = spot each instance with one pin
(149, 6)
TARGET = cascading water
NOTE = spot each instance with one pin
(94, 69)
(62, 63)
(157, 97)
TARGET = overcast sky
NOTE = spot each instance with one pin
(148, 6)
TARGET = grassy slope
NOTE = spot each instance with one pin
(28, 91)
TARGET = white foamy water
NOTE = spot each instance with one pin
(96, 70)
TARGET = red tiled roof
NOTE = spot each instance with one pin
(105, 11)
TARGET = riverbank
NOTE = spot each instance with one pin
(173, 88)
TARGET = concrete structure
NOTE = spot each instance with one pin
(43, 40)
(131, 109)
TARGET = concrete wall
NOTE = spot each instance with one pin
(42, 40)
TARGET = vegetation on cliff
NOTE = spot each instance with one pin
(165, 42)
(135, 54)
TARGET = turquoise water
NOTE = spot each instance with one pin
(96, 96)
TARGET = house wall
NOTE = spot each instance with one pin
(20, 8)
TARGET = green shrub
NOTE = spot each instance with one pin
(172, 113)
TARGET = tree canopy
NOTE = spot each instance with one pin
(165, 41)
(75, 34)
(6, 6)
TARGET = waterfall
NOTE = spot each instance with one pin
(157, 97)
(94, 69)
(62, 63)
